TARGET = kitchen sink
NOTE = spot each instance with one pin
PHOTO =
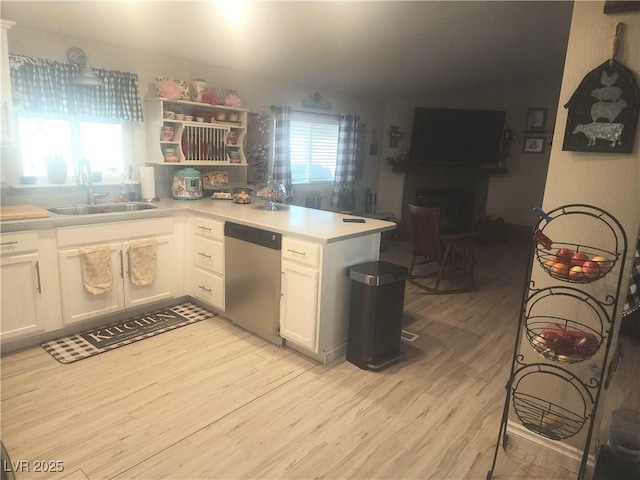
(102, 208)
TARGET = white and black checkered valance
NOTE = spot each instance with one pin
(44, 86)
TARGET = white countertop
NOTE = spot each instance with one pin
(317, 225)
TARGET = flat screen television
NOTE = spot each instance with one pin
(456, 137)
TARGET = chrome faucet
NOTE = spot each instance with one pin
(91, 197)
(84, 162)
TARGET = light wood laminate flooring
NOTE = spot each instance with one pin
(212, 401)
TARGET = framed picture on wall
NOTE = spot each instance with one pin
(536, 119)
(533, 145)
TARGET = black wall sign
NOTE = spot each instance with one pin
(603, 111)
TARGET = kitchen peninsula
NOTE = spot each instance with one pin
(318, 246)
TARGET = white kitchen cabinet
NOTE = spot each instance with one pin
(216, 140)
(163, 286)
(6, 119)
(78, 304)
(298, 304)
(206, 260)
(299, 292)
(314, 305)
(23, 304)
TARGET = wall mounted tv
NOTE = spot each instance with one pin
(456, 137)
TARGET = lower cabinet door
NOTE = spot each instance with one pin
(207, 287)
(298, 305)
(22, 302)
(77, 303)
(163, 285)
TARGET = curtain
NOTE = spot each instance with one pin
(346, 162)
(47, 87)
(282, 150)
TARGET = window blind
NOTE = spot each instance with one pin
(314, 147)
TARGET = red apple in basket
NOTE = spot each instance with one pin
(564, 255)
(556, 339)
(591, 269)
(576, 273)
(560, 269)
(585, 344)
(579, 258)
(605, 263)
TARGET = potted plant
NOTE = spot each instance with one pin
(56, 169)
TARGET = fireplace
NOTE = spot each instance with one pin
(461, 194)
(457, 206)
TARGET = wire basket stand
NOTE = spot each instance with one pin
(565, 324)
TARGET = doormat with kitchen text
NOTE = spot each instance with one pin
(108, 337)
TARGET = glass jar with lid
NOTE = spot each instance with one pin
(242, 195)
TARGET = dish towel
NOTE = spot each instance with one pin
(142, 261)
(95, 263)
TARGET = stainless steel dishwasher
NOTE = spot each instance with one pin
(252, 279)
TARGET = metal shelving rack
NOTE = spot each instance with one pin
(553, 341)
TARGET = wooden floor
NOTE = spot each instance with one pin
(212, 401)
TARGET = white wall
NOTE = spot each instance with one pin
(607, 181)
(511, 195)
(611, 181)
(257, 93)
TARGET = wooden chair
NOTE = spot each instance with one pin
(449, 256)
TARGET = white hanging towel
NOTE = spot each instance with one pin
(142, 261)
(95, 263)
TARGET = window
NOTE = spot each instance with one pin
(72, 139)
(314, 147)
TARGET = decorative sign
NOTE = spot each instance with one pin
(603, 111)
(315, 100)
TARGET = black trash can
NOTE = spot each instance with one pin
(375, 317)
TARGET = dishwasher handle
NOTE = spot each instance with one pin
(253, 235)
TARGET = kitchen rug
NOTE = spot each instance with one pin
(108, 337)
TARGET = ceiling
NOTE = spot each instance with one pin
(377, 49)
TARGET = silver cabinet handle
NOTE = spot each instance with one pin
(296, 252)
(121, 265)
(208, 229)
(204, 254)
(202, 287)
(8, 243)
(39, 288)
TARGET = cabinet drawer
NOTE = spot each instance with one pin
(301, 252)
(113, 231)
(207, 287)
(208, 254)
(208, 228)
(14, 243)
